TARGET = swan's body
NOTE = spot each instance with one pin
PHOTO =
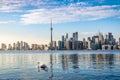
(75, 66)
(43, 66)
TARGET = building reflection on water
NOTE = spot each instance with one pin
(63, 60)
(60, 62)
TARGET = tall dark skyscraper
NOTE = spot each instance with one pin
(51, 29)
(119, 41)
(75, 36)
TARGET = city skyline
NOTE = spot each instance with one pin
(96, 42)
(29, 20)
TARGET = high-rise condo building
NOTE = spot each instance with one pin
(75, 41)
(75, 36)
(3, 46)
(119, 41)
(101, 39)
(9, 47)
(84, 43)
(89, 43)
(96, 39)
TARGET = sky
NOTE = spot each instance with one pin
(29, 20)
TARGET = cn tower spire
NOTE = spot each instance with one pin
(51, 29)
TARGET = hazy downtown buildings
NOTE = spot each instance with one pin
(96, 42)
(3, 46)
(10, 47)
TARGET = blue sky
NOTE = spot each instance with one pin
(29, 20)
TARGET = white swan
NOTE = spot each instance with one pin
(43, 66)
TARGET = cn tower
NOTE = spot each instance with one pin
(51, 29)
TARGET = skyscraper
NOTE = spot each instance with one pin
(84, 43)
(3, 46)
(106, 39)
(75, 36)
(89, 43)
(51, 29)
(101, 39)
(96, 39)
(63, 41)
(66, 36)
(75, 41)
(119, 41)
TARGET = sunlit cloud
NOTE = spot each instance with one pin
(6, 22)
(40, 12)
(69, 13)
(11, 6)
(87, 33)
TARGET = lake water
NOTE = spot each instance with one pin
(62, 65)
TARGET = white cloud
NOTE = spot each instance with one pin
(18, 5)
(69, 14)
(6, 22)
(11, 5)
(44, 10)
(87, 33)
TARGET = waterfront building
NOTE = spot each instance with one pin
(80, 45)
(107, 47)
(34, 47)
(66, 36)
(21, 45)
(63, 41)
(68, 44)
(54, 45)
(106, 39)
(75, 36)
(119, 41)
(46, 47)
(98, 42)
(84, 43)
(93, 46)
(75, 41)
(63, 38)
(10, 47)
(111, 40)
(14, 46)
(59, 45)
(101, 39)
(18, 45)
(89, 43)
(93, 39)
(3, 46)
(26, 46)
(96, 39)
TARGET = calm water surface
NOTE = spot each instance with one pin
(62, 65)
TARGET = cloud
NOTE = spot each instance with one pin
(6, 22)
(41, 11)
(70, 13)
(11, 5)
(20, 5)
(87, 33)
